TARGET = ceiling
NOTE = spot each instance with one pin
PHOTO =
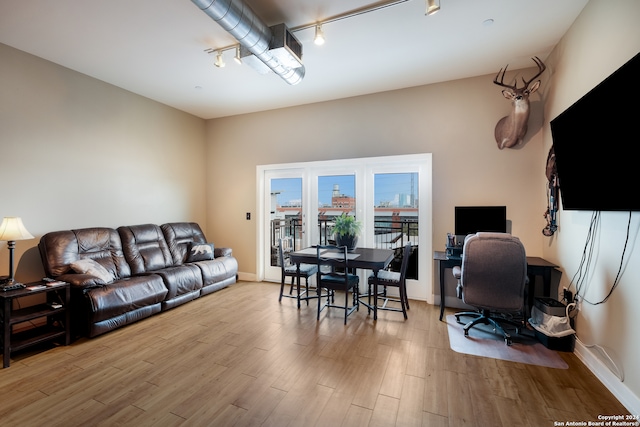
(157, 48)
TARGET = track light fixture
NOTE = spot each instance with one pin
(319, 38)
(432, 7)
(219, 61)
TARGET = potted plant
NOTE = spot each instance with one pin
(346, 231)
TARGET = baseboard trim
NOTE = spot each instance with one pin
(247, 277)
(608, 378)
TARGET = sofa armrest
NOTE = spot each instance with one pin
(218, 252)
(82, 281)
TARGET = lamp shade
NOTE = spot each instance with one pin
(12, 229)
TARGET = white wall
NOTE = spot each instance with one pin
(76, 152)
(605, 36)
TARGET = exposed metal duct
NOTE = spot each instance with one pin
(241, 22)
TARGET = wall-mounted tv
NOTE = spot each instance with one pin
(472, 219)
(595, 142)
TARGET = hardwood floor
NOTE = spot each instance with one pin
(238, 357)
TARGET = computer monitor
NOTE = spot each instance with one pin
(472, 219)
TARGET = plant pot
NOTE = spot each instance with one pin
(347, 240)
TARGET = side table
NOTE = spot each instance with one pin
(56, 310)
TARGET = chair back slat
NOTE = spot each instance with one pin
(338, 279)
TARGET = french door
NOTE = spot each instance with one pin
(391, 196)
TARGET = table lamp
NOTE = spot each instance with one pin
(11, 230)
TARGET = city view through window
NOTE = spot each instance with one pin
(395, 208)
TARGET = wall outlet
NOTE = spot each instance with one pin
(248, 216)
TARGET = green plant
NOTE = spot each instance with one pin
(346, 225)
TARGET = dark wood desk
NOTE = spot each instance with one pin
(536, 266)
(365, 258)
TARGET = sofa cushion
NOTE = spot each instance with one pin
(92, 268)
(145, 248)
(179, 235)
(58, 249)
(180, 280)
(125, 296)
(218, 270)
(199, 252)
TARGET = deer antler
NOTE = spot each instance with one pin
(541, 68)
(501, 82)
(502, 72)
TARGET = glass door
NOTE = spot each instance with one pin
(391, 196)
(336, 194)
(400, 210)
(396, 214)
(285, 219)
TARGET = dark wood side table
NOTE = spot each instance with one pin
(57, 325)
(536, 266)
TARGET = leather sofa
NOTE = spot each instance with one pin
(119, 276)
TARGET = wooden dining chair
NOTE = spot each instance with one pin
(290, 270)
(335, 278)
(392, 279)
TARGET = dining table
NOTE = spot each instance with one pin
(374, 259)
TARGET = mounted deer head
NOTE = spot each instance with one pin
(511, 129)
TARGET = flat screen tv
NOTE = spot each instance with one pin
(471, 219)
(595, 142)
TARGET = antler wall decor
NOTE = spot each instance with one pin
(511, 129)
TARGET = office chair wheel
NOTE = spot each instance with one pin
(508, 341)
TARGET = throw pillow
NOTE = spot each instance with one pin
(199, 252)
(93, 268)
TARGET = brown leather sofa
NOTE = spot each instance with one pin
(119, 276)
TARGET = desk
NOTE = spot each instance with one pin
(367, 258)
(536, 266)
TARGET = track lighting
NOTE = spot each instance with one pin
(432, 7)
(319, 38)
(219, 61)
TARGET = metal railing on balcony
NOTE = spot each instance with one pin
(390, 233)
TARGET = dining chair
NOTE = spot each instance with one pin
(388, 278)
(335, 278)
(290, 270)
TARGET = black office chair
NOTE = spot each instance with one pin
(290, 270)
(395, 279)
(492, 278)
(336, 279)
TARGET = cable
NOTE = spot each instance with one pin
(580, 276)
(613, 367)
(616, 281)
(587, 254)
(571, 311)
(583, 268)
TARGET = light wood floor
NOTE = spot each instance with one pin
(238, 357)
